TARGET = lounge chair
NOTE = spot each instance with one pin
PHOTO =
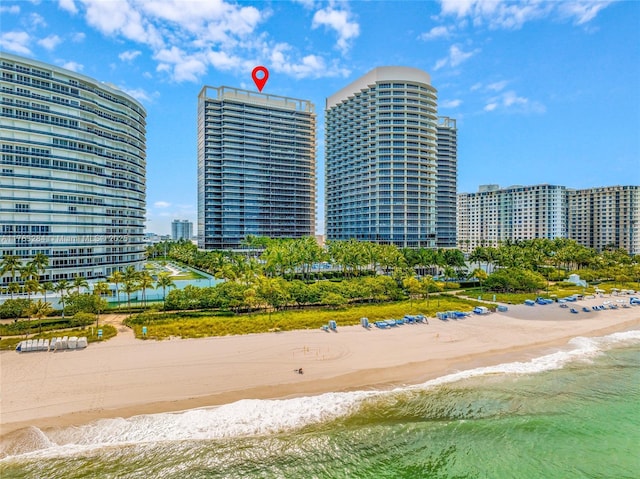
(586, 310)
(574, 311)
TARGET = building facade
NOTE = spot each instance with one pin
(495, 214)
(380, 159)
(72, 178)
(446, 183)
(256, 167)
(606, 217)
(181, 230)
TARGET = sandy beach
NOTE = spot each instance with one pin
(124, 376)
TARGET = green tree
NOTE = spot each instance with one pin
(100, 289)
(145, 281)
(273, 292)
(31, 286)
(45, 288)
(10, 264)
(40, 309)
(80, 282)
(481, 275)
(40, 261)
(164, 281)
(28, 271)
(117, 278)
(62, 287)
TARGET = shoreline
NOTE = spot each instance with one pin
(132, 377)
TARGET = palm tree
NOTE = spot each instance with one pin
(40, 309)
(13, 288)
(116, 278)
(10, 263)
(130, 287)
(40, 261)
(144, 281)
(31, 286)
(100, 289)
(164, 281)
(45, 288)
(80, 282)
(29, 271)
(61, 287)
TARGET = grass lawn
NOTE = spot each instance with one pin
(185, 325)
(91, 333)
(555, 290)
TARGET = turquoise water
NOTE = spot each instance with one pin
(571, 414)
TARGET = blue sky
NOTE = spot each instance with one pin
(544, 92)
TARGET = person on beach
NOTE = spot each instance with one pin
(299, 371)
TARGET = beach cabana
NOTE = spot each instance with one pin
(365, 323)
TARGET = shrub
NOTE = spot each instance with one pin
(515, 279)
(14, 308)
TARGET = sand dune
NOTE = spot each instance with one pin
(125, 377)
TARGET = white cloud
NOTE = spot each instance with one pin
(13, 9)
(582, 11)
(337, 20)
(73, 66)
(187, 38)
(310, 66)
(16, 42)
(161, 204)
(456, 57)
(129, 55)
(68, 5)
(37, 20)
(510, 101)
(497, 86)
(78, 37)
(308, 4)
(50, 42)
(181, 65)
(506, 14)
(450, 103)
(436, 32)
(140, 94)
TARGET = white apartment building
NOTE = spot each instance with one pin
(495, 214)
(606, 217)
(380, 159)
(72, 171)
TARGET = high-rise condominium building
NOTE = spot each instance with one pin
(446, 182)
(72, 179)
(181, 229)
(256, 167)
(381, 159)
(495, 214)
(605, 217)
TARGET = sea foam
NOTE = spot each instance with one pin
(253, 417)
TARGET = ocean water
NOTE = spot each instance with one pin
(571, 414)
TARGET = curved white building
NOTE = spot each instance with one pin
(380, 164)
(72, 171)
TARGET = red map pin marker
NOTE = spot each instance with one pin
(260, 81)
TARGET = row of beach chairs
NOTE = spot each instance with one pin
(56, 344)
(393, 323)
(452, 315)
